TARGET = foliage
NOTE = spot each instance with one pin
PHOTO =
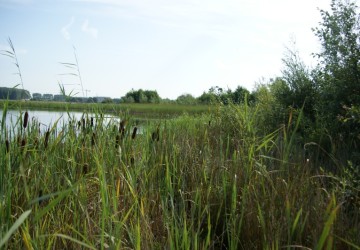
(14, 93)
(141, 96)
(195, 182)
(187, 99)
(338, 73)
(218, 95)
(107, 100)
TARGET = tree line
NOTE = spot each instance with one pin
(14, 94)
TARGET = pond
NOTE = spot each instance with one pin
(47, 119)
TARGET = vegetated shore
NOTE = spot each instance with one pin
(139, 110)
(212, 181)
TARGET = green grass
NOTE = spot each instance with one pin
(137, 110)
(209, 181)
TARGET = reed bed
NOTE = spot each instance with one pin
(137, 110)
(212, 181)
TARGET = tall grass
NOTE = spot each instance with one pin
(213, 181)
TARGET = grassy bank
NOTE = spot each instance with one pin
(136, 109)
(196, 182)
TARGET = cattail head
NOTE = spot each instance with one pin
(40, 196)
(85, 168)
(46, 138)
(36, 142)
(122, 128)
(7, 145)
(134, 133)
(23, 142)
(92, 122)
(93, 137)
(156, 135)
(117, 141)
(26, 119)
(83, 123)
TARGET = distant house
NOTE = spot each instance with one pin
(59, 98)
(37, 96)
(48, 97)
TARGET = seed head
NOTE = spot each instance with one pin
(7, 144)
(134, 133)
(117, 141)
(85, 168)
(46, 138)
(26, 119)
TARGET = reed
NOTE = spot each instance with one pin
(46, 139)
(134, 133)
(26, 119)
(226, 185)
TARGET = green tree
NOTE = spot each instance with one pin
(338, 73)
(141, 96)
(239, 95)
(301, 90)
(14, 93)
(186, 99)
(152, 96)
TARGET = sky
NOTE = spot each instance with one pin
(172, 46)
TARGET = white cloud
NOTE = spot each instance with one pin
(65, 29)
(89, 30)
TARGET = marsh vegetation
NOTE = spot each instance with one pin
(277, 168)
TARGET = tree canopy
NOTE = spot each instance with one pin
(14, 93)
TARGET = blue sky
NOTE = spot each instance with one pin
(172, 46)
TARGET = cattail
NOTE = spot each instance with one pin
(85, 168)
(122, 128)
(155, 135)
(117, 140)
(93, 137)
(92, 122)
(40, 196)
(26, 119)
(46, 138)
(23, 142)
(83, 123)
(134, 133)
(36, 142)
(79, 124)
(7, 144)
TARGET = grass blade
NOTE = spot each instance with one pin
(74, 240)
(14, 227)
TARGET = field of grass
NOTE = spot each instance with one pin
(210, 181)
(138, 110)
